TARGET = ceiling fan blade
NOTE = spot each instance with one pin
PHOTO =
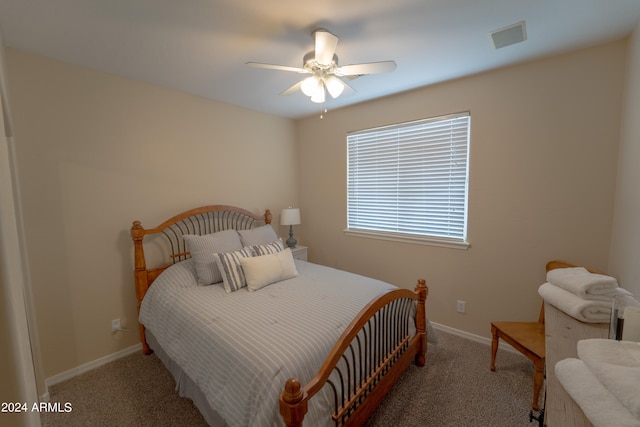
(326, 44)
(277, 67)
(348, 90)
(368, 68)
(292, 89)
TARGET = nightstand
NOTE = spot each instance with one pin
(299, 252)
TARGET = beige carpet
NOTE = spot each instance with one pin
(455, 388)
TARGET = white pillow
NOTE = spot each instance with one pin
(264, 270)
(202, 249)
(258, 236)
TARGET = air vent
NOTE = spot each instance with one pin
(507, 36)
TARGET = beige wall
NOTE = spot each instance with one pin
(625, 245)
(96, 152)
(542, 178)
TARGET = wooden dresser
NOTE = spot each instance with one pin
(562, 333)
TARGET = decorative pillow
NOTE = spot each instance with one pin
(264, 270)
(258, 236)
(269, 248)
(202, 249)
(230, 268)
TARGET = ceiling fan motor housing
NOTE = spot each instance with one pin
(309, 62)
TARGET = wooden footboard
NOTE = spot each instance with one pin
(366, 361)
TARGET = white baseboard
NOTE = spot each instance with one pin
(473, 337)
(67, 375)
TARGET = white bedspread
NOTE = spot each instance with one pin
(241, 347)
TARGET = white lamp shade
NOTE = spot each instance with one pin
(290, 216)
(318, 97)
(310, 85)
(334, 86)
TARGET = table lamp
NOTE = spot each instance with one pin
(290, 217)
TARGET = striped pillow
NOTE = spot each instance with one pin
(269, 248)
(229, 265)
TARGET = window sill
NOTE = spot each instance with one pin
(408, 238)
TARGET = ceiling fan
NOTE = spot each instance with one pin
(322, 64)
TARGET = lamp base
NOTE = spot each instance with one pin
(291, 242)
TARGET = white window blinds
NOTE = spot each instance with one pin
(410, 179)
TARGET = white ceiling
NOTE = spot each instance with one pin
(201, 46)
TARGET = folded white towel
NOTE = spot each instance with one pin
(616, 364)
(598, 404)
(607, 295)
(583, 283)
(588, 311)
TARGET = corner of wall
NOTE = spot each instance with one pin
(625, 236)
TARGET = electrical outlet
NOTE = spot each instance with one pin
(115, 325)
(461, 306)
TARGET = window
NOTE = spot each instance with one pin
(409, 181)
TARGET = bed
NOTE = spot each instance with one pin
(279, 340)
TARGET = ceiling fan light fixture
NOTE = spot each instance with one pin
(319, 96)
(310, 85)
(334, 86)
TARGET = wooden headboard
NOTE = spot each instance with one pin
(200, 221)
